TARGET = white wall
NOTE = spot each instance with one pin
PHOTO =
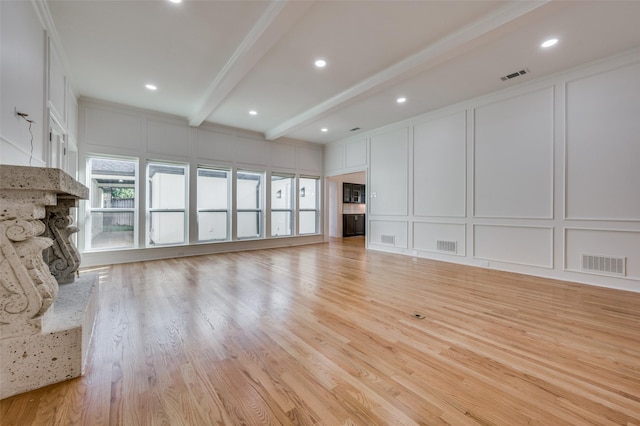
(603, 142)
(447, 139)
(33, 80)
(513, 157)
(345, 157)
(528, 179)
(388, 174)
(22, 62)
(116, 130)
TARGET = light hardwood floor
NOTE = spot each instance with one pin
(325, 334)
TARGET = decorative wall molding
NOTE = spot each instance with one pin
(548, 249)
(43, 12)
(526, 125)
(550, 260)
(37, 162)
(602, 136)
(433, 173)
(632, 258)
(463, 226)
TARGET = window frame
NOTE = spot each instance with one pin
(261, 202)
(149, 210)
(317, 203)
(228, 210)
(292, 209)
(89, 209)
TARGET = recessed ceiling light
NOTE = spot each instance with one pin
(253, 112)
(401, 100)
(324, 129)
(549, 43)
(321, 63)
(151, 86)
(175, 1)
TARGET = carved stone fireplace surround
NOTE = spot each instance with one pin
(46, 314)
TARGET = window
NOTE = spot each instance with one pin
(308, 205)
(166, 203)
(249, 204)
(213, 204)
(282, 205)
(112, 207)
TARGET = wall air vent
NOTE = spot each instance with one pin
(604, 264)
(388, 239)
(448, 246)
(515, 74)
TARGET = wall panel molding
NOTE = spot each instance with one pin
(497, 242)
(214, 145)
(602, 176)
(605, 242)
(513, 156)
(20, 157)
(167, 138)
(355, 154)
(388, 192)
(440, 167)
(334, 158)
(427, 234)
(309, 159)
(389, 233)
(105, 127)
(283, 156)
(546, 256)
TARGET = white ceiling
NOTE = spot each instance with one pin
(216, 60)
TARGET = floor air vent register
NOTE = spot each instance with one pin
(388, 239)
(448, 246)
(604, 265)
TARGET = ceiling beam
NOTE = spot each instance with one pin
(411, 64)
(270, 27)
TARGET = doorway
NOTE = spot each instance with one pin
(347, 208)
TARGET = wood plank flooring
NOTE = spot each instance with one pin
(325, 335)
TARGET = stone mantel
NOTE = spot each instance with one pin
(23, 178)
(36, 253)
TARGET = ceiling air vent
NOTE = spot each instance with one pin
(514, 74)
(355, 129)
